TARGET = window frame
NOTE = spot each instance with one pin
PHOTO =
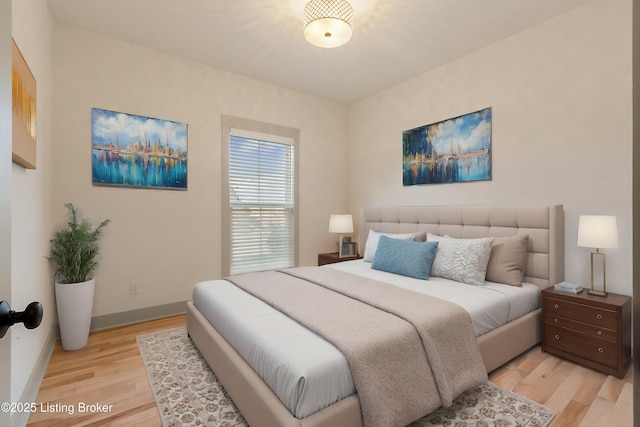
(263, 131)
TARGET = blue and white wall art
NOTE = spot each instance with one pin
(137, 151)
(453, 150)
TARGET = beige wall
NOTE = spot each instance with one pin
(169, 240)
(560, 94)
(31, 220)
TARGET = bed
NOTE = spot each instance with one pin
(544, 226)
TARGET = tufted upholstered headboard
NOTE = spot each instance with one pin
(543, 224)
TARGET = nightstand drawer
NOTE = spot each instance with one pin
(333, 257)
(596, 349)
(588, 314)
(596, 331)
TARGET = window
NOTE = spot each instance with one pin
(260, 199)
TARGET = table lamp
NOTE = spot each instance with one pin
(599, 232)
(342, 223)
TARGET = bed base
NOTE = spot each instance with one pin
(545, 267)
(261, 408)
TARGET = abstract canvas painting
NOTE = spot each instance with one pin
(137, 151)
(23, 106)
(452, 150)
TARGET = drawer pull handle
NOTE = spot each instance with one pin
(555, 320)
(599, 332)
(600, 350)
(557, 336)
(599, 316)
(556, 306)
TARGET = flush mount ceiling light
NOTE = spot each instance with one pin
(327, 23)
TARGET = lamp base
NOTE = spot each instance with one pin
(597, 293)
(593, 290)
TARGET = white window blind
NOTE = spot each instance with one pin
(261, 202)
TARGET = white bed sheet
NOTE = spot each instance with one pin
(490, 305)
(305, 371)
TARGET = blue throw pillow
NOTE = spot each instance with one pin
(405, 257)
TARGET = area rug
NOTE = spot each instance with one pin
(188, 393)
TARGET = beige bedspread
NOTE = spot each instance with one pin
(408, 353)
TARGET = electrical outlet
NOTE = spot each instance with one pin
(134, 288)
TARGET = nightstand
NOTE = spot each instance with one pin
(332, 257)
(590, 330)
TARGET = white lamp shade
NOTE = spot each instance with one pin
(342, 223)
(598, 231)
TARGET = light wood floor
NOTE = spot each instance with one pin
(109, 371)
(580, 396)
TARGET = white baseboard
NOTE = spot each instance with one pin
(30, 392)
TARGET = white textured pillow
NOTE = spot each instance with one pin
(462, 260)
(372, 242)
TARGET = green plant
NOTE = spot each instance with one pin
(74, 248)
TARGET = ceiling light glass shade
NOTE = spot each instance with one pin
(327, 23)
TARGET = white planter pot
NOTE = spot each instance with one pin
(75, 306)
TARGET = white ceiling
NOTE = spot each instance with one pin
(393, 40)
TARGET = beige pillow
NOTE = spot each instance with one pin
(508, 260)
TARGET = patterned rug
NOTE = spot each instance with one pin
(189, 394)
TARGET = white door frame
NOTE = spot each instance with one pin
(5, 201)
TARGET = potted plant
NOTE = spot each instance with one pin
(74, 250)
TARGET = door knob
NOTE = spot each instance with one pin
(31, 316)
